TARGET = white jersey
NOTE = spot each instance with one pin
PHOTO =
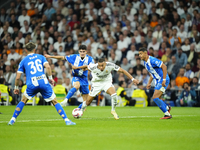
(105, 75)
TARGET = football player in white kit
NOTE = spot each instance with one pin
(102, 80)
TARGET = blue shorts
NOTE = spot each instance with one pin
(84, 86)
(45, 89)
(159, 85)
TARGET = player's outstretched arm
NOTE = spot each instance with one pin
(85, 67)
(135, 81)
(48, 70)
(56, 57)
(16, 89)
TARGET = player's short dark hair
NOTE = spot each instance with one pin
(101, 60)
(142, 49)
(30, 46)
(83, 47)
(120, 83)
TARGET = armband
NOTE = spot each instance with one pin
(164, 79)
(133, 79)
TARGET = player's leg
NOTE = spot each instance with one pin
(49, 96)
(61, 112)
(84, 89)
(84, 96)
(111, 91)
(87, 102)
(76, 86)
(156, 97)
(28, 94)
(95, 89)
(163, 90)
(18, 110)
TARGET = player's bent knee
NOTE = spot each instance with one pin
(154, 97)
(54, 102)
(77, 85)
(24, 99)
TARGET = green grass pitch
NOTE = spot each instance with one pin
(41, 128)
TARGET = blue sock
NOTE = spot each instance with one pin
(71, 93)
(160, 104)
(61, 111)
(18, 109)
(80, 105)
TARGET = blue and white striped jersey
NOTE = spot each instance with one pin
(153, 66)
(76, 60)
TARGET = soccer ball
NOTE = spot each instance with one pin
(77, 113)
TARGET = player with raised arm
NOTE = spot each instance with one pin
(80, 77)
(158, 72)
(33, 66)
(102, 80)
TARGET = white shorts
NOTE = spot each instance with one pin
(99, 86)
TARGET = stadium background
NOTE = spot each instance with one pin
(112, 29)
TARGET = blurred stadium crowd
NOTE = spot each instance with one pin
(114, 29)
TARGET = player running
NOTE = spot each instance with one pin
(33, 66)
(102, 80)
(158, 72)
(80, 77)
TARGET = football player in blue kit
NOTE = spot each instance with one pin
(33, 66)
(80, 77)
(158, 72)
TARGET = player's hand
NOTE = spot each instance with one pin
(135, 81)
(51, 81)
(47, 56)
(163, 83)
(16, 91)
(148, 86)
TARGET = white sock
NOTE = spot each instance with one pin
(13, 118)
(167, 113)
(113, 101)
(66, 119)
(83, 106)
(167, 107)
(65, 100)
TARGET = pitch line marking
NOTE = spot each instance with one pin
(95, 118)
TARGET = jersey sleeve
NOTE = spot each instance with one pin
(70, 58)
(113, 66)
(21, 67)
(91, 60)
(156, 62)
(92, 67)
